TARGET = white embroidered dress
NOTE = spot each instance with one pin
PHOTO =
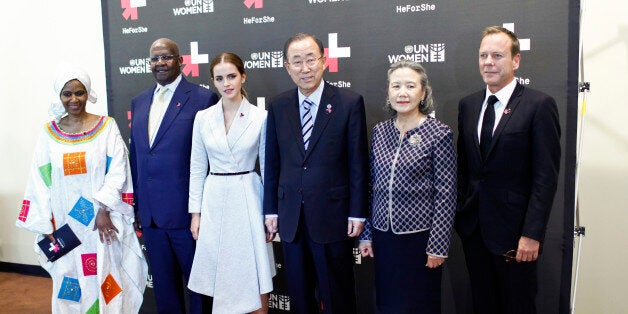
(233, 263)
(70, 175)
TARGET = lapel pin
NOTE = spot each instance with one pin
(414, 139)
(507, 111)
(328, 108)
(178, 104)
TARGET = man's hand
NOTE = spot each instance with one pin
(366, 248)
(271, 228)
(136, 224)
(195, 225)
(528, 250)
(354, 228)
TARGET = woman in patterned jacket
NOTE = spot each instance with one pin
(413, 181)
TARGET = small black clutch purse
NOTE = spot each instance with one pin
(66, 240)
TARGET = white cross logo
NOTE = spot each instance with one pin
(524, 43)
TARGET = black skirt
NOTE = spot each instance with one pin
(403, 284)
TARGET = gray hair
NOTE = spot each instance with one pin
(427, 103)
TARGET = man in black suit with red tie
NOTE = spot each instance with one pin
(316, 181)
(508, 163)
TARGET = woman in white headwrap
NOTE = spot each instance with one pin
(80, 176)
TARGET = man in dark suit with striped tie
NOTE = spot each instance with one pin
(316, 181)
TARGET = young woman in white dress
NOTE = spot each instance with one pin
(233, 262)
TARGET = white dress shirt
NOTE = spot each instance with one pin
(503, 95)
(315, 97)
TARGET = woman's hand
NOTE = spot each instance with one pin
(106, 229)
(366, 248)
(50, 237)
(195, 225)
(434, 262)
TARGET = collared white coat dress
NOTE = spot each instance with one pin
(232, 262)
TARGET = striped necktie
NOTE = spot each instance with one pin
(306, 122)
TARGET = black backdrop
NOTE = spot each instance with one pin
(362, 38)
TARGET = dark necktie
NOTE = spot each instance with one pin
(488, 122)
(306, 122)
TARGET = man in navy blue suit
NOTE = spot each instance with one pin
(508, 163)
(161, 139)
(316, 181)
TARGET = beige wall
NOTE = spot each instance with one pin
(38, 36)
(70, 31)
(604, 160)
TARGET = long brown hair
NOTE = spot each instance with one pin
(229, 57)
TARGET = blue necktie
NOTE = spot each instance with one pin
(306, 122)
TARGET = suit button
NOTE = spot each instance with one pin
(305, 168)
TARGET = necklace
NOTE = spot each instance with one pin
(83, 131)
(409, 126)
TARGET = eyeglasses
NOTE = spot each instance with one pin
(165, 58)
(310, 62)
(510, 255)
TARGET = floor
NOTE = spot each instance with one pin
(24, 294)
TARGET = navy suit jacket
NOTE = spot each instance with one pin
(510, 194)
(330, 179)
(161, 173)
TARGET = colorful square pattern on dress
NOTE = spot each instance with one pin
(94, 309)
(70, 289)
(127, 198)
(89, 264)
(110, 288)
(74, 163)
(108, 164)
(26, 205)
(83, 211)
(45, 172)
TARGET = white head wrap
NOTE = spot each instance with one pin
(56, 109)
